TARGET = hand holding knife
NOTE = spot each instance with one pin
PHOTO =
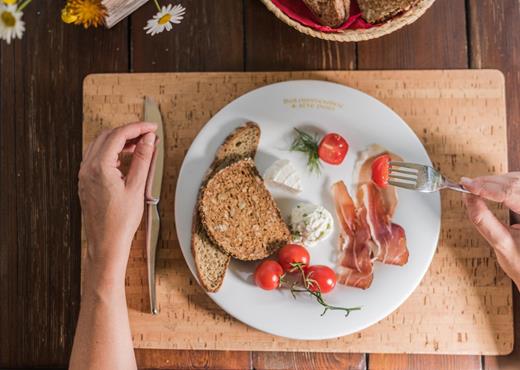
(152, 197)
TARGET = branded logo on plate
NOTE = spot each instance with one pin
(312, 103)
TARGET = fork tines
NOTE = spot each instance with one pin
(403, 174)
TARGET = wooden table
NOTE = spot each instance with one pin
(40, 148)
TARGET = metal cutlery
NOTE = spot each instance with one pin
(152, 196)
(419, 177)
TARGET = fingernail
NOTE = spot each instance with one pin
(149, 138)
(466, 181)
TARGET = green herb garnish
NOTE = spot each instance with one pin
(308, 144)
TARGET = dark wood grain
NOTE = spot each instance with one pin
(307, 361)
(423, 362)
(187, 360)
(210, 38)
(8, 222)
(272, 45)
(42, 121)
(495, 43)
(436, 40)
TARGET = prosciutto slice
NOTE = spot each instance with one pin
(355, 244)
(367, 232)
(389, 237)
(354, 278)
(363, 175)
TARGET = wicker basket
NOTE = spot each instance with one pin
(349, 35)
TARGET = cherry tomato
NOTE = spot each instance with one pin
(380, 170)
(332, 148)
(293, 253)
(268, 274)
(323, 278)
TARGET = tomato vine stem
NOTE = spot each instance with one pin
(307, 283)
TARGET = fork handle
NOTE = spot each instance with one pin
(448, 184)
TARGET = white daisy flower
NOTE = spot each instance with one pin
(11, 24)
(164, 19)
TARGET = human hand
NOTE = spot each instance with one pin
(112, 204)
(505, 240)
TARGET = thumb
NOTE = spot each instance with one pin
(494, 231)
(141, 159)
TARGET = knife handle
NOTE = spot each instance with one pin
(152, 238)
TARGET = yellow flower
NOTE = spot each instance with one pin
(9, 2)
(85, 12)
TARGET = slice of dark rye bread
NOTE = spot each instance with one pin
(377, 11)
(239, 213)
(331, 13)
(211, 262)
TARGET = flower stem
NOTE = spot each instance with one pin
(24, 5)
(157, 5)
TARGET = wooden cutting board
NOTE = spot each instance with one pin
(463, 304)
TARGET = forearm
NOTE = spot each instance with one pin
(103, 339)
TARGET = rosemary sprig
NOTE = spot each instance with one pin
(305, 143)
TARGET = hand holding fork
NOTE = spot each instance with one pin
(504, 189)
(504, 239)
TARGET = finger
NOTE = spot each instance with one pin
(128, 149)
(87, 151)
(495, 188)
(140, 165)
(494, 231)
(132, 141)
(98, 142)
(117, 139)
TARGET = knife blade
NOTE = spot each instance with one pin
(152, 197)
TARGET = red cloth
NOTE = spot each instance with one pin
(298, 11)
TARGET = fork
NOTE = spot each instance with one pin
(419, 177)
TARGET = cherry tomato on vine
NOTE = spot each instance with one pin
(381, 170)
(268, 275)
(291, 254)
(332, 148)
(322, 278)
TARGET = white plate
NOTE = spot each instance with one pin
(362, 120)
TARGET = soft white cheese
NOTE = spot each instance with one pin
(310, 223)
(282, 173)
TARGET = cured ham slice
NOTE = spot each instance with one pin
(367, 232)
(389, 237)
(363, 171)
(354, 278)
(355, 244)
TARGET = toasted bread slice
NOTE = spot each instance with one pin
(242, 143)
(377, 11)
(331, 13)
(240, 215)
(211, 262)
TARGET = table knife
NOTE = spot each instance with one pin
(152, 196)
